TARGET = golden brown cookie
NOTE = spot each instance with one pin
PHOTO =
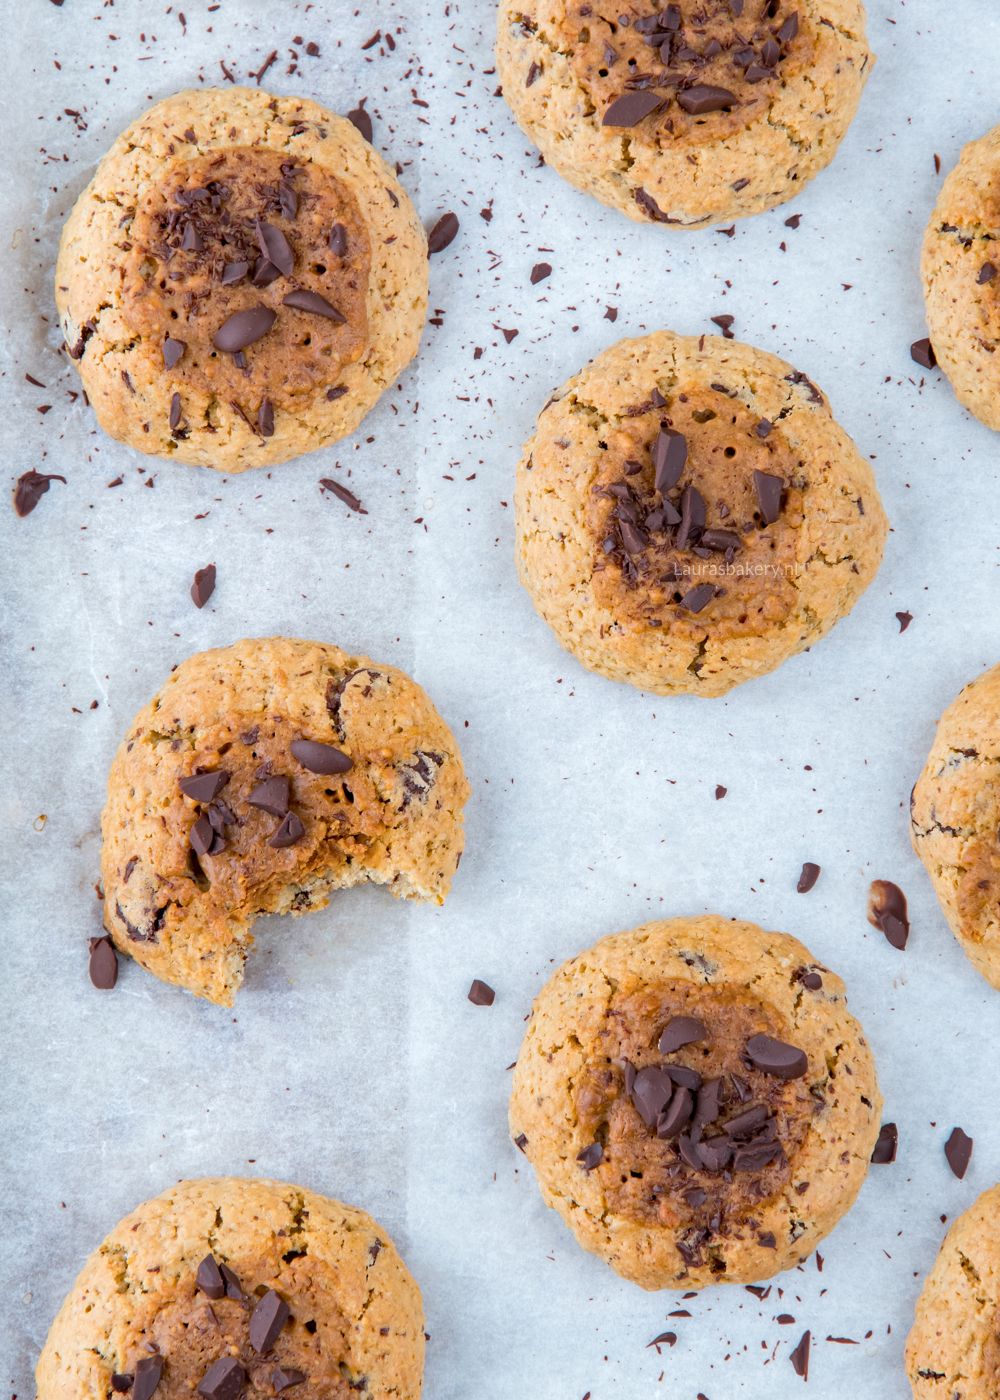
(955, 821)
(231, 1288)
(690, 514)
(690, 113)
(697, 1102)
(241, 279)
(262, 777)
(961, 267)
(953, 1350)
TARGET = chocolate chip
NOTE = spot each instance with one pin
(172, 351)
(810, 874)
(884, 1150)
(769, 490)
(591, 1156)
(677, 1114)
(244, 328)
(103, 964)
(288, 833)
(267, 1320)
(922, 353)
(148, 1374)
(697, 598)
(986, 273)
(209, 1278)
(481, 993)
(800, 1356)
(271, 796)
(443, 233)
(362, 122)
(203, 586)
(704, 98)
(776, 1057)
(670, 452)
(651, 1091)
(202, 836)
(887, 912)
(319, 758)
(539, 272)
(958, 1150)
(303, 300)
(30, 489)
(283, 1378)
(204, 787)
(680, 1031)
(631, 108)
(812, 981)
(224, 1379)
(234, 272)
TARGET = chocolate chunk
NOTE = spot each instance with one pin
(904, 619)
(539, 272)
(922, 353)
(148, 1374)
(810, 874)
(651, 1092)
(288, 199)
(769, 490)
(697, 598)
(755, 1156)
(681, 1074)
(887, 912)
(209, 1278)
(121, 1382)
(704, 98)
(265, 418)
(234, 1289)
(481, 993)
(224, 1379)
(303, 300)
(677, 1114)
(30, 488)
(443, 233)
(362, 122)
(591, 1156)
(884, 1150)
(267, 1320)
(191, 240)
(670, 452)
(244, 328)
(320, 758)
(775, 1057)
(176, 412)
(288, 833)
(788, 30)
(271, 795)
(800, 1356)
(202, 836)
(692, 517)
(958, 1150)
(721, 540)
(283, 1378)
(680, 1031)
(763, 428)
(203, 586)
(745, 1124)
(632, 107)
(986, 273)
(204, 787)
(234, 272)
(716, 1154)
(337, 242)
(706, 1109)
(172, 351)
(103, 964)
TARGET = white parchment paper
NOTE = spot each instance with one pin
(353, 1062)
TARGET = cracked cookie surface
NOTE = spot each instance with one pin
(685, 114)
(241, 280)
(955, 820)
(953, 1349)
(960, 266)
(262, 777)
(690, 515)
(697, 1102)
(258, 1286)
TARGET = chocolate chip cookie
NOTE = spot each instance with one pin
(261, 778)
(241, 280)
(955, 818)
(690, 514)
(232, 1288)
(953, 1350)
(696, 1101)
(690, 113)
(960, 268)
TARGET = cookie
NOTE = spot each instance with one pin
(696, 1101)
(960, 266)
(241, 280)
(955, 817)
(262, 777)
(685, 114)
(953, 1350)
(224, 1288)
(689, 514)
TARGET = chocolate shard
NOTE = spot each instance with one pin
(986, 273)
(148, 1374)
(244, 328)
(692, 517)
(680, 1031)
(285, 1377)
(204, 787)
(234, 1289)
(172, 351)
(591, 1156)
(630, 108)
(275, 247)
(481, 993)
(267, 1320)
(362, 122)
(265, 418)
(807, 879)
(698, 598)
(209, 1278)
(202, 836)
(652, 1090)
(677, 1114)
(800, 1356)
(958, 1151)
(539, 273)
(225, 1379)
(706, 1109)
(887, 912)
(337, 242)
(670, 452)
(103, 967)
(922, 353)
(31, 487)
(884, 1150)
(203, 586)
(769, 490)
(443, 233)
(320, 758)
(777, 1058)
(271, 795)
(234, 272)
(312, 302)
(288, 833)
(703, 97)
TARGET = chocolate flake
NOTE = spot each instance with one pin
(810, 874)
(887, 912)
(443, 233)
(30, 488)
(342, 493)
(481, 993)
(904, 619)
(958, 1151)
(103, 963)
(320, 758)
(267, 1320)
(800, 1356)
(884, 1150)
(203, 586)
